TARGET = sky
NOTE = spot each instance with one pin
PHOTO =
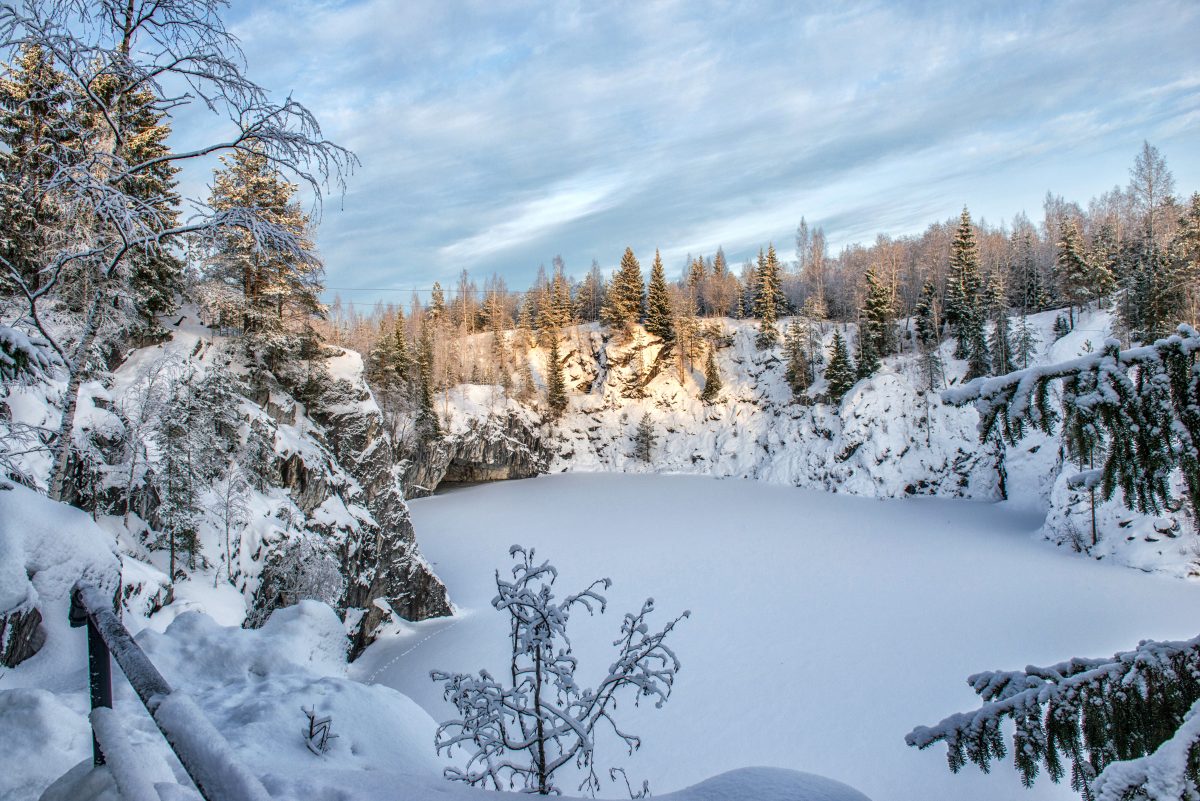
(495, 135)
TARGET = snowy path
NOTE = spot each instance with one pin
(824, 627)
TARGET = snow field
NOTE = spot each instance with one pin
(823, 628)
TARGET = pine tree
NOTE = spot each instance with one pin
(1074, 273)
(644, 439)
(839, 373)
(556, 391)
(658, 304)
(623, 304)
(712, 378)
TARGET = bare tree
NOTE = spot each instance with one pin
(141, 406)
(520, 735)
(166, 56)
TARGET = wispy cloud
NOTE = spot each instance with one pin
(495, 135)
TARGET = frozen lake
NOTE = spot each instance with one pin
(823, 627)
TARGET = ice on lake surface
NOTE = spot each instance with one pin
(824, 627)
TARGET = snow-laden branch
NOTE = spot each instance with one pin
(1144, 401)
(1091, 714)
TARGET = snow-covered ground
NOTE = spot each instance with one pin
(824, 627)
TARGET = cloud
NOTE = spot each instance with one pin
(495, 135)
(534, 219)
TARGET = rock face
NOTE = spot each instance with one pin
(887, 438)
(21, 636)
(381, 560)
(501, 446)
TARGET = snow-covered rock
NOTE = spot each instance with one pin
(45, 547)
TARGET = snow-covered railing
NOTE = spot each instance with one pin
(204, 753)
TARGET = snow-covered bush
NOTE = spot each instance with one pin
(304, 570)
(518, 736)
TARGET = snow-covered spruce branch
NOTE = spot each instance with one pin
(518, 736)
(1123, 725)
(1145, 401)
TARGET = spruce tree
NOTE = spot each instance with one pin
(928, 317)
(623, 302)
(768, 296)
(1104, 262)
(839, 373)
(798, 366)
(1025, 342)
(437, 303)
(644, 439)
(1000, 343)
(556, 390)
(658, 304)
(712, 378)
(33, 108)
(427, 426)
(876, 335)
(1074, 273)
(962, 308)
(156, 275)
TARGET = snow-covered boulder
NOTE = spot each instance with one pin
(45, 547)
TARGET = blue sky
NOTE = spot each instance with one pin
(494, 135)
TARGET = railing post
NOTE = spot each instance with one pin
(99, 664)
(99, 681)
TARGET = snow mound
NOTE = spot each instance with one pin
(767, 784)
(52, 735)
(253, 685)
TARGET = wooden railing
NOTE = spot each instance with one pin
(207, 757)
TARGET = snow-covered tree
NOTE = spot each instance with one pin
(1124, 727)
(518, 731)
(876, 334)
(148, 48)
(961, 307)
(839, 373)
(231, 510)
(712, 378)
(1074, 273)
(797, 373)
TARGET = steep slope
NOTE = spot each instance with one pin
(319, 511)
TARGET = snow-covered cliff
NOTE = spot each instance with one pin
(887, 438)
